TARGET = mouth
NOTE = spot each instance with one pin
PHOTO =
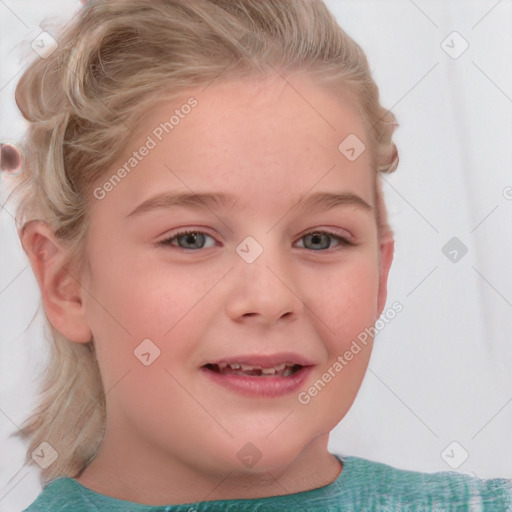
(280, 370)
(260, 375)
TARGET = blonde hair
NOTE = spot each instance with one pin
(115, 60)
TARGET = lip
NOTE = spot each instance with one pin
(262, 386)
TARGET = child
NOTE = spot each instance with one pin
(202, 207)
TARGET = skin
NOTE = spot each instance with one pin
(173, 436)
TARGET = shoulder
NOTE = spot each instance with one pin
(60, 495)
(388, 486)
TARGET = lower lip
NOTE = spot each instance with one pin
(260, 386)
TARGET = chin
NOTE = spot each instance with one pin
(259, 453)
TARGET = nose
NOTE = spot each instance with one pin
(264, 291)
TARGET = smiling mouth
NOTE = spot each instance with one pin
(280, 370)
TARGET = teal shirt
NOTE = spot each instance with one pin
(362, 486)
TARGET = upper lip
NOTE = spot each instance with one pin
(264, 361)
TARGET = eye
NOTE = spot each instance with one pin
(322, 240)
(190, 239)
(186, 240)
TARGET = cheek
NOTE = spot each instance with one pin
(347, 309)
(132, 303)
(346, 301)
(134, 297)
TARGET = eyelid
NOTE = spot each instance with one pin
(343, 240)
(166, 241)
(335, 232)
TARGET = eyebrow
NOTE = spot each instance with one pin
(210, 200)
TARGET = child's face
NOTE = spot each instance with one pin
(202, 300)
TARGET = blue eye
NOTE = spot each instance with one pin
(195, 240)
(323, 238)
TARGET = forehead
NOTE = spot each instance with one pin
(278, 136)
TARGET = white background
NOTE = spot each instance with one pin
(441, 370)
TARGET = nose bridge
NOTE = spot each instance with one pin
(265, 286)
(261, 254)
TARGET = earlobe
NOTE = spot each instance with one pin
(387, 248)
(61, 291)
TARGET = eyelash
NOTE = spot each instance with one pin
(343, 242)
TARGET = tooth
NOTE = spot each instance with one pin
(283, 369)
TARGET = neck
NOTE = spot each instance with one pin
(164, 479)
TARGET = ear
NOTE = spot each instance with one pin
(60, 290)
(387, 249)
